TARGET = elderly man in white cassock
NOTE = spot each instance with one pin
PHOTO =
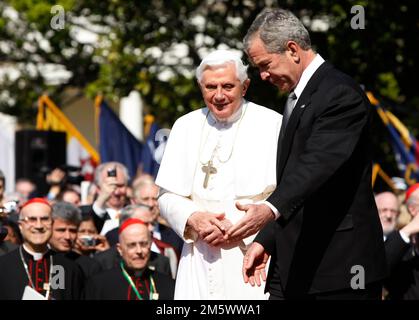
(217, 159)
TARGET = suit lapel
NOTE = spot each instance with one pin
(302, 104)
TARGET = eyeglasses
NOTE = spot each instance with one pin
(33, 220)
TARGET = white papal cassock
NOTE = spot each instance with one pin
(243, 151)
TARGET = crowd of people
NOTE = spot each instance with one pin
(53, 246)
(248, 203)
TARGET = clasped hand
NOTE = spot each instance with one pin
(210, 227)
(216, 230)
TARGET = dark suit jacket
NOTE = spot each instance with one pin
(403, 262)
(110, 259)
(329, 222)
(167, 235)
(14, 279)
(87, 210)
(171, 237)
(111, 285)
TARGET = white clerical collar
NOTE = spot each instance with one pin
(36, 255)
(230, 120)
(307, 74)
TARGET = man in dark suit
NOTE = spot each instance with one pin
(33, 266)
(321, 224)
(133, 278)
(402, 250)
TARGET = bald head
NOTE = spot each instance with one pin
(134, 246)
(388, 210)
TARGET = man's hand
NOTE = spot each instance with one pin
(56, 176)
(254, 264)
(208, 226)
(105, 190)
(102, 243)
(215, 238)
(412, 227)
(256, 216)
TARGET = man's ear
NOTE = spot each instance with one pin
(293, 50)
(246, 84)
(118, 247)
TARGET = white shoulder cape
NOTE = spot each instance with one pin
(254, 153)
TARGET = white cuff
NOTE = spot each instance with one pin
(177, 210)
(274, 210)
(98, 211)
(404, 237)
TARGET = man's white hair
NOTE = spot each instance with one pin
(220, 58)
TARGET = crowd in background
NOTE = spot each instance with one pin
(88, 232)
(86, 228)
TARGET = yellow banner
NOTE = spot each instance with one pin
(50, 117)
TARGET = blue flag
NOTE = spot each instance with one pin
(116, 143)
(153, 150)
(405, 146)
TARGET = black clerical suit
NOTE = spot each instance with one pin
(88, 265)
(167, 235)
(328, 219)
(14, 279)
(111, 258)
(403, 262)
(112, 285)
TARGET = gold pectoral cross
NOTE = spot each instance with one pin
(208, 169)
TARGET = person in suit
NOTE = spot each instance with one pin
(133, 278)
(321, 221)
(33, 265)
(146, 192)
(111, 179)
(110, 258)
(402, 250)
(388, 210)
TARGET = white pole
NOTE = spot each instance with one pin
(131, 114)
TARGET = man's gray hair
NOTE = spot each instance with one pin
(128, 211)
(220, 58)
(111, 165)
(66, 211)
(140, 184)
(276, 27)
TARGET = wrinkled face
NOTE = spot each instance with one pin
(147, 194)
(72, 197)
(147, 216)
(119, 196)
(35, 224)
(25, 188)
(87, 228)
(388, 210)
(134, 246)
(280, 69)
(64, 234)
(222, 91)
